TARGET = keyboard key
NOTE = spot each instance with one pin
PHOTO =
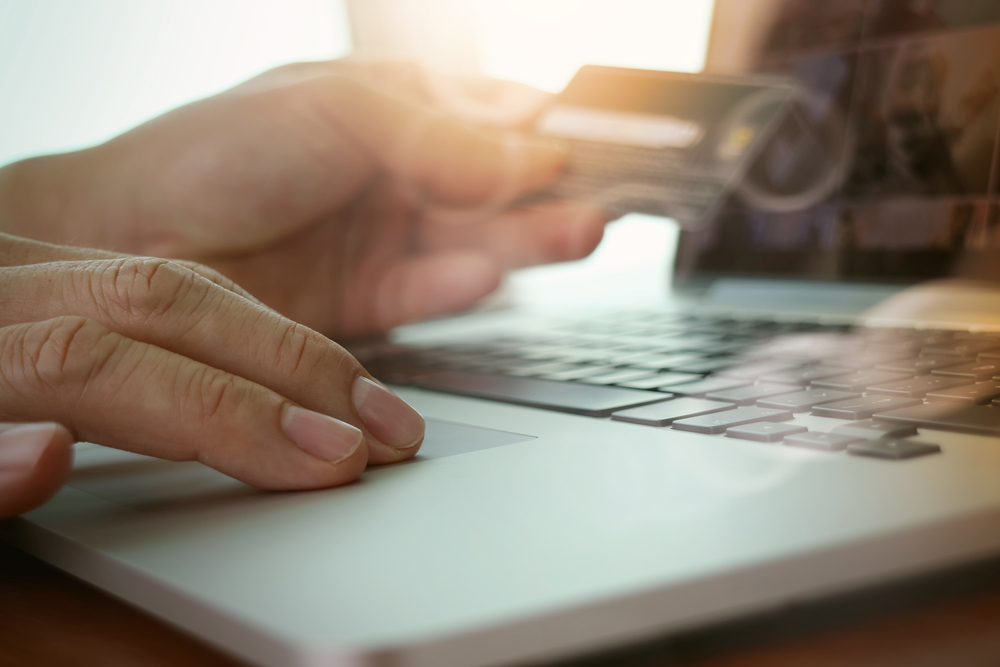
(859, 380)
(980, 393)
(753, 371)
(922, 365)
(916, 387)
(873, 430)
(935, 336)
(543, 352)
(538, 368)
(802, 376)
(658, 362)
(808, 347)
(764, 431)
(664, 413)
(718, 348)
(508, 363)
(980, 370)
(581, 355)
(707, 385)
(718, 422)
(890, 335)
(806, 399)
(582, 399)
(827, 442)
(693, 340)
(609, 344)
(863, 407)
(961, 347)
(704, 366)
(661, 345)
(661, 380)
(942, 416)
(748, 395)
(892, 449)
(618, 376)
(865, 360)
(910, 347)
(578, 373)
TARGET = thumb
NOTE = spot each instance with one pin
(35, 460)
(455, 162)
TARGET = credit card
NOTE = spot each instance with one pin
(662, 143)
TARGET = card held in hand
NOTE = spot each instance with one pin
(662, 143)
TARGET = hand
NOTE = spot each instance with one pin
(338, 193)
(173, 360)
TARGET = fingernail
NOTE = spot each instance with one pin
(321, 436)
(387, 416)
(22, 446)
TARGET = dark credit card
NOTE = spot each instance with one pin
(661, 143)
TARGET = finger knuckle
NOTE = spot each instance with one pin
(204, 271)
(217, 277)
(145, 289)
(211, 395)
(302, 350)
(293, 349)
(63, 353)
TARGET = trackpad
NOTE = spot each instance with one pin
(149, 484)
(445, 438)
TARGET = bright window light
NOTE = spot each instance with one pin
(75, 73)
(543, 42)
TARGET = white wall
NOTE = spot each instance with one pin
(439, 33)
(543, 42)
(76, 72)
(540, 42)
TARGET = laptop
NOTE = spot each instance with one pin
(792, 421)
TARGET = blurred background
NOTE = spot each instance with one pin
(896, 145)
(74, 73)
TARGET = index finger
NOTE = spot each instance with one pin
(161, 303)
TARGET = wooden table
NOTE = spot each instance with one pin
(49, 619)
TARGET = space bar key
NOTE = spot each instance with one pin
(581, 399)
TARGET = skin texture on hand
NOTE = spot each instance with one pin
(348, 196)
(173, 360)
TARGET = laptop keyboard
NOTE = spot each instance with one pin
(736, 378)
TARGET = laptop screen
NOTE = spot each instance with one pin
(886, 171)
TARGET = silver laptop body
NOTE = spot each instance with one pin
(518, 535)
